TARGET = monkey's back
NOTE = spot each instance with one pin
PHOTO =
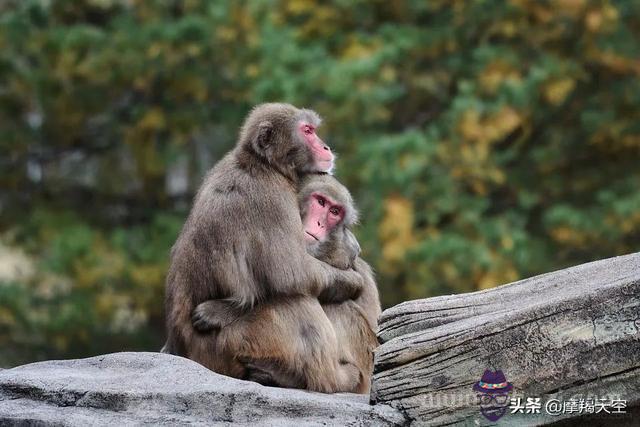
(236, 217)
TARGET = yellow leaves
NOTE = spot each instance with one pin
(497, 73)
(450, 272)
(630, 141)
(568, 236)
(388, 73)
(240, 29)
(614, 62)
(299, 7)
(193, 49)
(152, 120)
(104, 303)
(320, 18)
(154, 50)
(501, 269)
(396, 231)
(7, 318)
(556, 91)
(572, 8)
(141, 137)
(61, 342)
(104, 264)
(252, 70)
(507, 28)
(358, 49)
(149, 276)
(501, 272)
(189, 87)
(473, 160)
(506, 242)
(615, 137)
(599, 20)
(486, 130)
(470, 126)
(503, 123)
(226, 33)
(630, 223)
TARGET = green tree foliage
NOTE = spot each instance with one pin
(484, 141)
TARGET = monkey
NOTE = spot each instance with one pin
(274, 343)
(242, 240)
(354, 321)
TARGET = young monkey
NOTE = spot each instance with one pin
(297, 342)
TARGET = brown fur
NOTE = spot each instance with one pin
(296, 342)
(243, 239)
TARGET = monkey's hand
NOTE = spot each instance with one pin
(268, 372)
(214, 315)
(347, 286)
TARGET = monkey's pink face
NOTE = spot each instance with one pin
(322, 155)
(323, 215)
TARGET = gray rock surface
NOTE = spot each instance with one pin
(574, 333)
(160, 389)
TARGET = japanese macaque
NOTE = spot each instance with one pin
(242, 241)
(295, 342)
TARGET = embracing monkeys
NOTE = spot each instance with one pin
(243, 251)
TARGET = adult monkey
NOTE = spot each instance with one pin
(277, 343)
(242, 240)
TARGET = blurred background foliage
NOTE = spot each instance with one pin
(485, 141)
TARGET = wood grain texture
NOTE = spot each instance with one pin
(573, 333)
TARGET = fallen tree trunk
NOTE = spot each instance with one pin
(568, 335)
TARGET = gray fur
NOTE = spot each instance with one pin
(296, 342)
(243, 238)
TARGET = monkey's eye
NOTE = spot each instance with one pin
(308, 130)
(321, 201)
(334, 211)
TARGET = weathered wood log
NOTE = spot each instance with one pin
(571, 334)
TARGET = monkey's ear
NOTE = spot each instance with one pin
(262, 139)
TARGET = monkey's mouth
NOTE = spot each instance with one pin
(312, 235)
(325, 166)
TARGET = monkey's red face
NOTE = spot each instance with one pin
(322, 155)
(323, 215)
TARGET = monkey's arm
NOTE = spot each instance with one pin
(369, 300)
(335, 285)
(341, 291)
(214, 315)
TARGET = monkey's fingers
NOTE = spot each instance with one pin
(204, 319)
(202, 322)
(260, 376)
(269, 372)
(348, 286)
(213, 315)
(358, 285)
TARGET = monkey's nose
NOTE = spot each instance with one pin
(326, 148)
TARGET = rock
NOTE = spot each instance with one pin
(160, 389)
(574, 333)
